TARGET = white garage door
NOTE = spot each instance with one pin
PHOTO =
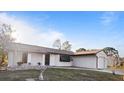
(85, 61)
(102, 63)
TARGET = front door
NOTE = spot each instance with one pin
(47, 59)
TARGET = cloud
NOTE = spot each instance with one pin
(108, 18)
(26, 33)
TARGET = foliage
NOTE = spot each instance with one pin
(122, 61)
(39, 63)
(121, 66)
(19, 63)
(80, 49)
(57, 44)
(5, 39)
(5, 36)
(62, 46)
(66, 46)
(0, 55)
(4, 60)
(112, 52)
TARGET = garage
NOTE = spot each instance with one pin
(86, 61)
(90, 59)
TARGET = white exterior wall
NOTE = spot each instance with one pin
(55, 61)
(18, 57)
(102, 60)
(14, 57)
(88, 61)
(29, 58)
(34, 58)
(10, 58)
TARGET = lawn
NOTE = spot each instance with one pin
(55, 74)
(18, 75)
(58, 74)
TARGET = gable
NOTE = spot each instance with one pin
(101, 54)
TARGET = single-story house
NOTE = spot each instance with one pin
(37, 55)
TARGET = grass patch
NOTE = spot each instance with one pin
(55, 74)
(18, 75)
(59, 74)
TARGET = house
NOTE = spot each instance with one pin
(34, 55)
(37, 55)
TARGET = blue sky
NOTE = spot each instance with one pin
(83, 29)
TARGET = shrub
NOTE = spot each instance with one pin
(29, 63)
(19, 63)
(39, 63)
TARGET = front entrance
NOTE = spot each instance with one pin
(47, 59)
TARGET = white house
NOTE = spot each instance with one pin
(37, 55)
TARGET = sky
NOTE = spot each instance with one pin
(83, 29)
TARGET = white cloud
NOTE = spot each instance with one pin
(25, 33)
(108, 18)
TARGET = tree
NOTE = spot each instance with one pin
(5, 40)
(66, 46)
(113, 53)
(57, 44)
(62, 46)
(80, 49)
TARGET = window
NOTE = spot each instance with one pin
(65, 58)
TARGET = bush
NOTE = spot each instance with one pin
(3, 60)
(39, 63)
(121, 64)
(19, 63)
(29, 63)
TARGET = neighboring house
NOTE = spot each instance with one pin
(37, 55)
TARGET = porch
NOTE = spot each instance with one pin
(18, 58)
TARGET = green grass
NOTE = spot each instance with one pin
(57, 74)
(18, 75)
